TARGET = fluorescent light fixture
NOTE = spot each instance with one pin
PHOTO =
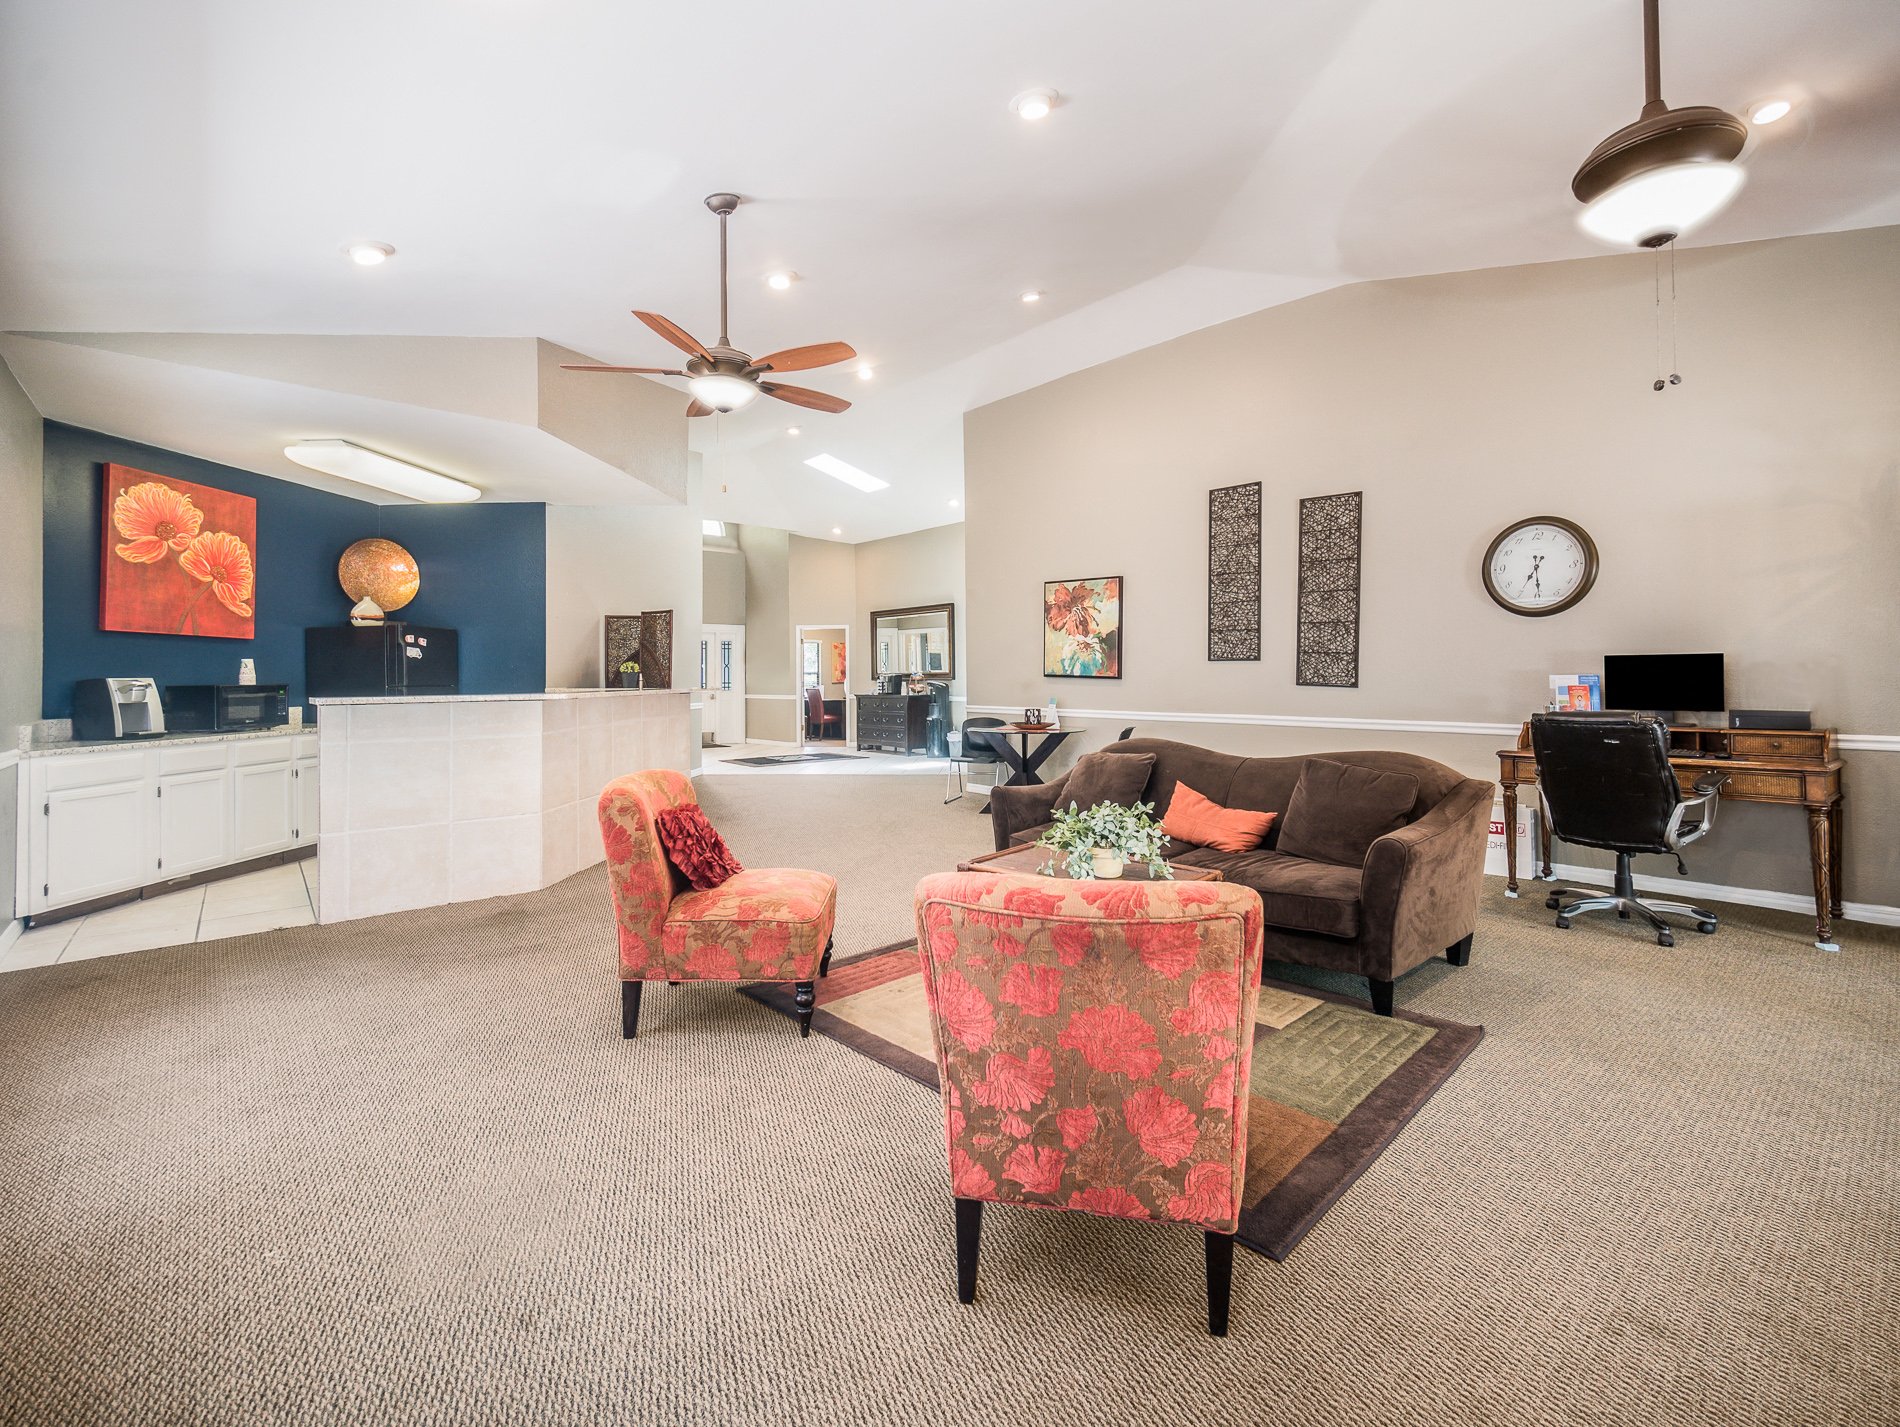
(370, 255)
(716, 528)
(846, 472)
(1769, 111)
(1659, 205)
(722, 392)
(352, 462)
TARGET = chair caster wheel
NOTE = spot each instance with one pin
(1665, 939)
(1564, 922)
(1706, 928)
(1553, 903)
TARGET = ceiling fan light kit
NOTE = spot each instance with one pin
(1664, 175)
(721, 378)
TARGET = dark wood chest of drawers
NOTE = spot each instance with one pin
(893, 723)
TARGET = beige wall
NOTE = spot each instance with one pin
(724, 585)
(770, 711)
(924, 567)
(20, 521)
(1753, 509)
(620, 560)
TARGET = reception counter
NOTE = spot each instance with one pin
(426, 801)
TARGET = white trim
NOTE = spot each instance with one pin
(9, 757)
(11, 933)
(1858, 742)
(789, 698)
(1873, 912)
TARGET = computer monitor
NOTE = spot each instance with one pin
(1664, 683)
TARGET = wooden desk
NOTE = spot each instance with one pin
(1797, 769)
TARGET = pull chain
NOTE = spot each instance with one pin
(1675, 377)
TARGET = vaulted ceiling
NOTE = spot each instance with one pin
(198, 167)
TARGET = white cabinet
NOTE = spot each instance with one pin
(304, 791)
(87, 836)
(261, 802)
(193, 807)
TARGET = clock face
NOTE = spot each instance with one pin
(1540, 566)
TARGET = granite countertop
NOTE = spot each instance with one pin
(494, 698)
(52, 748)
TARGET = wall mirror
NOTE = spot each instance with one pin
(920, 641)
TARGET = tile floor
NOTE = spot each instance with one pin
(719, 760)
(283, 896)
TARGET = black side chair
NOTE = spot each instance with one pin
(970, 751)
(1607, 782)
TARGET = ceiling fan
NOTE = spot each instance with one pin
(721, 378)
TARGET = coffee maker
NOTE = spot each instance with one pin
(116, 708)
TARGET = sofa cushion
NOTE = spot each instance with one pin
(1298, 894)
(1107, 778)
(1339, 810)
(1203, 822)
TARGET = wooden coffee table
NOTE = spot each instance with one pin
(1030, 859)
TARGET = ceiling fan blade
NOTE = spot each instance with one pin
(696, 407)
(674, 333)
(648, 371)
(798, 359)
(805, 396)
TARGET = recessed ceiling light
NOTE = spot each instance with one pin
(1034, 104)
(866, 371)
(793, 430)
(370, 255)
(1033, 295)
(953, 505)
(846, 472)
(372, 468)
(1769, 110)
(778, 282)
(837, 530)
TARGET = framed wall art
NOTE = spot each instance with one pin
(1082, 628)
(1327, 642)
(176, 557)
(1233, 573)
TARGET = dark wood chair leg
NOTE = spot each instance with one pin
(805, 996)
(1381, 995)
(630, 1009)
(1459, 952)
(1220, 1280)
(824, 962)
(969, 1240)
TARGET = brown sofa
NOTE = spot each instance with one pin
(1415, 897)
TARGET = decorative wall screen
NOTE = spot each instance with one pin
(1233, 572)
(1327, 651)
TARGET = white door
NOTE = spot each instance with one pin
(94, 842)
(722, 663)
(304, 785)
(261, 805)
(194, 821)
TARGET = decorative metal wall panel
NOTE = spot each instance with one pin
(656, 649)
(621, 637)
(1327, 652)
(1233, 572)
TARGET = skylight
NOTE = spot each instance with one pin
(846, 472)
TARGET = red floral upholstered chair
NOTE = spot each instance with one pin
(764, 924)
(1093, 1044)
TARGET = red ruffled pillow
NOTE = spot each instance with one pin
(695, 847)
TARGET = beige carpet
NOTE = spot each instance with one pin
(404, 1171)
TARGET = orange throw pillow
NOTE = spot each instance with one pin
(1193, 818)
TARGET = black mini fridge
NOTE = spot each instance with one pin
(367, 661)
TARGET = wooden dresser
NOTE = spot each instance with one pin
(893, 723)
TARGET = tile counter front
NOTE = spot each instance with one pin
(427, 801)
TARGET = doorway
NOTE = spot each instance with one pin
(822, 663)
(722, 684)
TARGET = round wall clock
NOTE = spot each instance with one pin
(1540, 566)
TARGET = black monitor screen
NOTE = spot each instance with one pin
(1682, 683)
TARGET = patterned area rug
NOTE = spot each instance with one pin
(1333, 1084)
(773, 760)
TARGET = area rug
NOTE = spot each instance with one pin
(773, 760)
(1333, 1084)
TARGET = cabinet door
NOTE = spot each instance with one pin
(94, 842)
(261, 808)
(194, 821)
(303, 779)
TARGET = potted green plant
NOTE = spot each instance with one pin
(629, 673)
(1102, 840)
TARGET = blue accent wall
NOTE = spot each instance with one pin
(484, 573)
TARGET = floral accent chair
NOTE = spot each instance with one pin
(1094, 1041)
(764, 924)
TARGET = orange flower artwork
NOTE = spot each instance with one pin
(176, 557)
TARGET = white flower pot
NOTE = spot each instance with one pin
(1107, 862)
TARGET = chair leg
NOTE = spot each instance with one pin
(805, 997)
(630, 1009)
(824, 962)
(1459, 952)
(1381, 995)
(1220, 1280)
(969, 1241)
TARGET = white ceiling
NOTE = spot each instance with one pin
(198, 166)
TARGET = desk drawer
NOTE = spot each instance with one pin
(1779, 787)
(1792, 745)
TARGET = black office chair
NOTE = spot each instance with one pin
(970, 751)
(1606, 781)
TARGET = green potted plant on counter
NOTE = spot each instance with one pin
(1102, 840)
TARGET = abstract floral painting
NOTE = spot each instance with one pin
(1082, 629)
(176, 557)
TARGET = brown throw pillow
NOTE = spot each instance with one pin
(1107, 778)
(694, 847)
(1339, 810)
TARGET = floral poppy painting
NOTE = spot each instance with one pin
(176, 557)
(1082, 629)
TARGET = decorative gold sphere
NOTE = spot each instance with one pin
(381, 570)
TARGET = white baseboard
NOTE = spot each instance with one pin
(1687, 890)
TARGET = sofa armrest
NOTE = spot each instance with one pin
(1014, 808)
(1420, 885)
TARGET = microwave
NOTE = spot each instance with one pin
(218, 708)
